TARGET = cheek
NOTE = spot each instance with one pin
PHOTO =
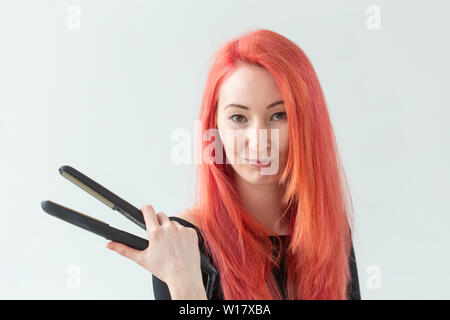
(284, 143)
(228, 140)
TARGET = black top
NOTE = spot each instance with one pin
(161, 291)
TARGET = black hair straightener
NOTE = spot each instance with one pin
(105, 230)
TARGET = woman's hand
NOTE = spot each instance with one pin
(172, 254)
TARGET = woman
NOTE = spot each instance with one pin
(275, 219)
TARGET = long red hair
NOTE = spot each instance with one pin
(315, 197)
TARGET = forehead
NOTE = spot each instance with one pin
(250, 85)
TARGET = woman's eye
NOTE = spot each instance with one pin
(281, 114)
(239, 116)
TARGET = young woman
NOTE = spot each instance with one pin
(276, 216)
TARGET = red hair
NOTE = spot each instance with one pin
(314, 184)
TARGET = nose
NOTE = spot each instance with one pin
(258, 142)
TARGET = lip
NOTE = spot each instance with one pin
(259, 164)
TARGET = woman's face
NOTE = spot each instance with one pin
(249, 105)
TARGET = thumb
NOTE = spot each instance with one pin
(124, 250)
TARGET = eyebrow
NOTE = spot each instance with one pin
(244, 107)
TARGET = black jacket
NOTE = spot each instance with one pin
(161, 291)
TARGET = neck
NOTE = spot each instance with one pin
(263, 201)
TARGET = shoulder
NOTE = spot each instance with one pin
(353, 287)
(189, 216)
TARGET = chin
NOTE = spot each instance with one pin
(255, 177)
(261, 180)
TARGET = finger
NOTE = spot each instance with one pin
(162, 218)
(125, 251)
(177, 224)
(151, 221)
